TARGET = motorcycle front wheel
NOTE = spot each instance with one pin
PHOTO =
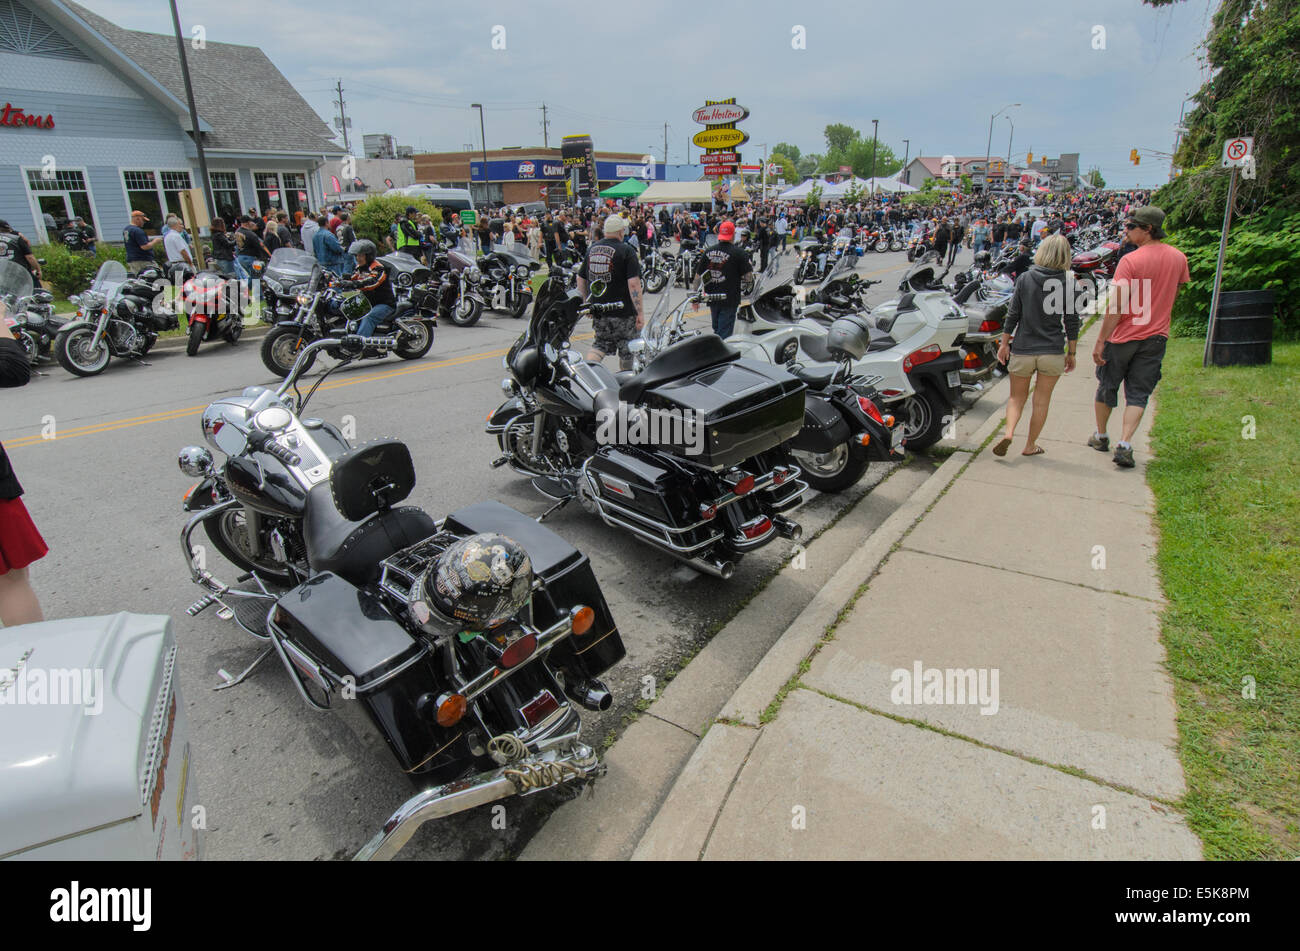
(229, 534)
(194, 338)
(882, 245)
(832, 471)
(655, 281)
(415, 344)
(896, 246)
(466, 312)
(520, 307)
(77, 355)
(280, 349)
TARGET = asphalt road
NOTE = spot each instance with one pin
(278, 779)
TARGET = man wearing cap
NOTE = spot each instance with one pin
(723, 265)
(1131, 344)
(139, 247)
(612, 271)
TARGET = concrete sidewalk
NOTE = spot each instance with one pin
(1036, 576)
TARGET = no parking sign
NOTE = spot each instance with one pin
(1238, 151)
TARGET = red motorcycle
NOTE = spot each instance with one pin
(214, 307)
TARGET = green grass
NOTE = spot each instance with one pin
(1228, 513)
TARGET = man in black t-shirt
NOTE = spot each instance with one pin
(614, 265)
(723, 265)
(14, 247)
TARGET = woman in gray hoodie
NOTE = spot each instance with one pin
(1039, 337)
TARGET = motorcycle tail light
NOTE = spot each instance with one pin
(539, 708)
(581, 619)
(870, 409)
(988, 326)
(972, 361)
(744, 486)
(451, 707)
(518, 652)
(924, 355)
(757, 529)
(707, 512)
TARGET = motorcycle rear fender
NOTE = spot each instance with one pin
(504, 413)
(289, 323)
(936, 372)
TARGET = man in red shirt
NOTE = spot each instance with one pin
(335, 220)
(1131, 344)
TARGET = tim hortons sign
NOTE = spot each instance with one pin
(720, 138)
(719, 114)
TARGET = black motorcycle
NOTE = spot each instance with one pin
(119, 316)
(505, 285)
(362, 598)
(816, 258)
(30, 314)
(684, 455)
(331, 308)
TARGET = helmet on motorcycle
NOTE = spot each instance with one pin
(984, 259)
(362, 247)
(150, 272)
(482, 580)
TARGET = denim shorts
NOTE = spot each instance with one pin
(1136, 364)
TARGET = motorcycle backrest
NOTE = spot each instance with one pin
(372, 477)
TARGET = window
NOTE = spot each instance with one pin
(269, 194)
(225, 193)
(23, 32)
(173, 184)
(63, 196)
(142, 195)
(295, 192)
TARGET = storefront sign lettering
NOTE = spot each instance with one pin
(14, 117)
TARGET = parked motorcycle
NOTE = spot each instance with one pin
(505, 283)
(30, 311)
(332, 308)
(119, 316)
(843, 430)
(283, 279)
(913, 357)
(459, 281)
(816, 259)
(470, 641)
(213, 305)
(684, 455)
(413, 281)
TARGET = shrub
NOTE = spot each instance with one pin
(374, 216)
(1263, 254)
(71, 272)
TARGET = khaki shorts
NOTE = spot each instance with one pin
(1048, 364)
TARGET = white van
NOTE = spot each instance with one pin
(455, 199)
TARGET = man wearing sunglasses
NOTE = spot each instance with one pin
(1131, 344)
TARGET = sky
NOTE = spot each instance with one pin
(1098, 78)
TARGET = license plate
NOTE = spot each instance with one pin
(896, 437)
(954, 378)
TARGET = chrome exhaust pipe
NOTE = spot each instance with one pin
(591, 694)
(713, 566)
(787, 528)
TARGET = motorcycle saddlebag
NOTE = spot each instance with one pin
(332, 630)
(745, 407)
(567, 580)
(824, 427)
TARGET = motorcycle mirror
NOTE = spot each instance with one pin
(598, 288)
(230, 440)
(636, 346)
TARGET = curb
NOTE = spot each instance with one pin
(681, 827)
(178, 343)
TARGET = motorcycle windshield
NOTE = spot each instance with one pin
(15, 281)
(111, 275)
(767, 280)
(654, 329)
(292, 261)
(843, 267)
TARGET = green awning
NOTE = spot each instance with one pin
(628, 188)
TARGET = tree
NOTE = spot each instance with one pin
(790, 151)
(814, 199)
(1094, 178)
(839, 137)
(1254, 90)
(372, 217)
(808, 164)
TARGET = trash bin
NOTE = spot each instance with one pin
(1243, 329)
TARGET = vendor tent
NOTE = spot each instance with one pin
(675, 192)
(800, 191)
(628, 188)
(738, 192)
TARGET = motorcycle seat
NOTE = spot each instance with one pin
(816, 377)
(683, 357)
(403, 308)
(353, 549)
(816, 349)
(606, 397)
(880, 341)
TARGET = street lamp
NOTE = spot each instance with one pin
(989, 146)
(907, 150)
(875, 127)
(479, 107)
(1009, 137)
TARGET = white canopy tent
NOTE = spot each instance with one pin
(677, 192)
(800, 191)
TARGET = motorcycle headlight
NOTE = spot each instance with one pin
(474, 275)
(521, 270)
(195, 461)
(303, 299)
(404, 279)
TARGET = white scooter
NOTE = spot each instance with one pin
(914, 360)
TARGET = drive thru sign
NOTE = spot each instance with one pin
(1238, 151)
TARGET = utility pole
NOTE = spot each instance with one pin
(665, 148)
(343, 118)
(546, 142)
(907, 150)
(194, 113)
(875, 127)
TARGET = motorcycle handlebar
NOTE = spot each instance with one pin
(603, 308)
(265, 442)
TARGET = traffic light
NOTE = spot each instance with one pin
(1029, 159)
(1134, 157)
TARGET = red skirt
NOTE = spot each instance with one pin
(20, 542)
